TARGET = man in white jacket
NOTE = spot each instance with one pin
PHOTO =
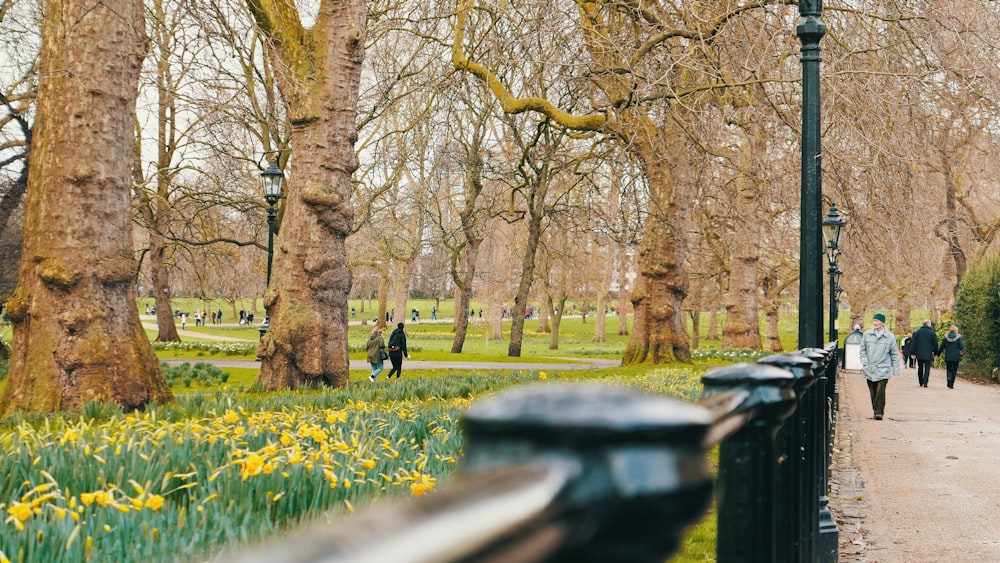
(879, 361)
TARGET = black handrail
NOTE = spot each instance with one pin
(561, 473)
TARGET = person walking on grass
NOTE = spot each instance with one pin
(879, 361)
(376, 353)
(397, 351)
(953, 349)
(924, 346)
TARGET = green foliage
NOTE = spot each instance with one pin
(202, 373)
(977, 308)
(727, 356)
(209, 348)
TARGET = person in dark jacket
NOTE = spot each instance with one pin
(397, 351)
(924, 346)
(906, 346)
(952, 348)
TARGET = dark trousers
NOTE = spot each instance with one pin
(951, 371)
(877, 391)
(397, 365)
(924, 371)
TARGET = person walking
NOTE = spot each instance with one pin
(953, 350)
(397, 351)
(924, 346)
(879, 361)
(376, 353)
(906, 347)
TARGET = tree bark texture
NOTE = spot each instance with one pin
(77, 335)
(318, 73)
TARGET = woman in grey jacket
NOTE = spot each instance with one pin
(879, 361)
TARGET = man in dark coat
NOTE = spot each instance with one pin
(924, 346)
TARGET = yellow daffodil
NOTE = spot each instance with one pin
(21, 511)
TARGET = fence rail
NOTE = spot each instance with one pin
(560, 473)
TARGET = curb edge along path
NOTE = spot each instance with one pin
(919, 486)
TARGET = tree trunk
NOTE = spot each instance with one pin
(713, 325)
(463, 291)
(742, 326)
(77, 334)
(381, 315)
(771, 329)
(543, 314)
(624, 291)
(557, 316)
(318, 72)
(527, 272)
(659, 334)
(601, 318)
(695, 329)
(166, 328)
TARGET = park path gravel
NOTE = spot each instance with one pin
(921, 485)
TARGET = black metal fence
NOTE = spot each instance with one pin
(594, 473)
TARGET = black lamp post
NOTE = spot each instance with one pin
(832, 227)
(818, 544)
(810, 31)
(271, 182)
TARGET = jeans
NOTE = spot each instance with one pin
(924, 371)
(377, 369)
(877, 391)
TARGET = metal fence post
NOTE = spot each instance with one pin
(747, 460)
(643, 475)
(796, 500)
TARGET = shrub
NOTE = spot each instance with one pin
(977, 309)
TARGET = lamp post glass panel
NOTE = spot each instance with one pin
(271, 182)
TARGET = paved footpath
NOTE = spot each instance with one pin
(921, 485)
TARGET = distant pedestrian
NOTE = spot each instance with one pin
(924, 347)
(213, 317)
(197, 318)
(354, 312)
(397, 351)
(879, 361)
(376, 353)
(184, 320)
(906, 349)
(219, 316)
(434, 313)
(953, 350)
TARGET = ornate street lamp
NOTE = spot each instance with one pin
(271, 182)
(833, 225)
